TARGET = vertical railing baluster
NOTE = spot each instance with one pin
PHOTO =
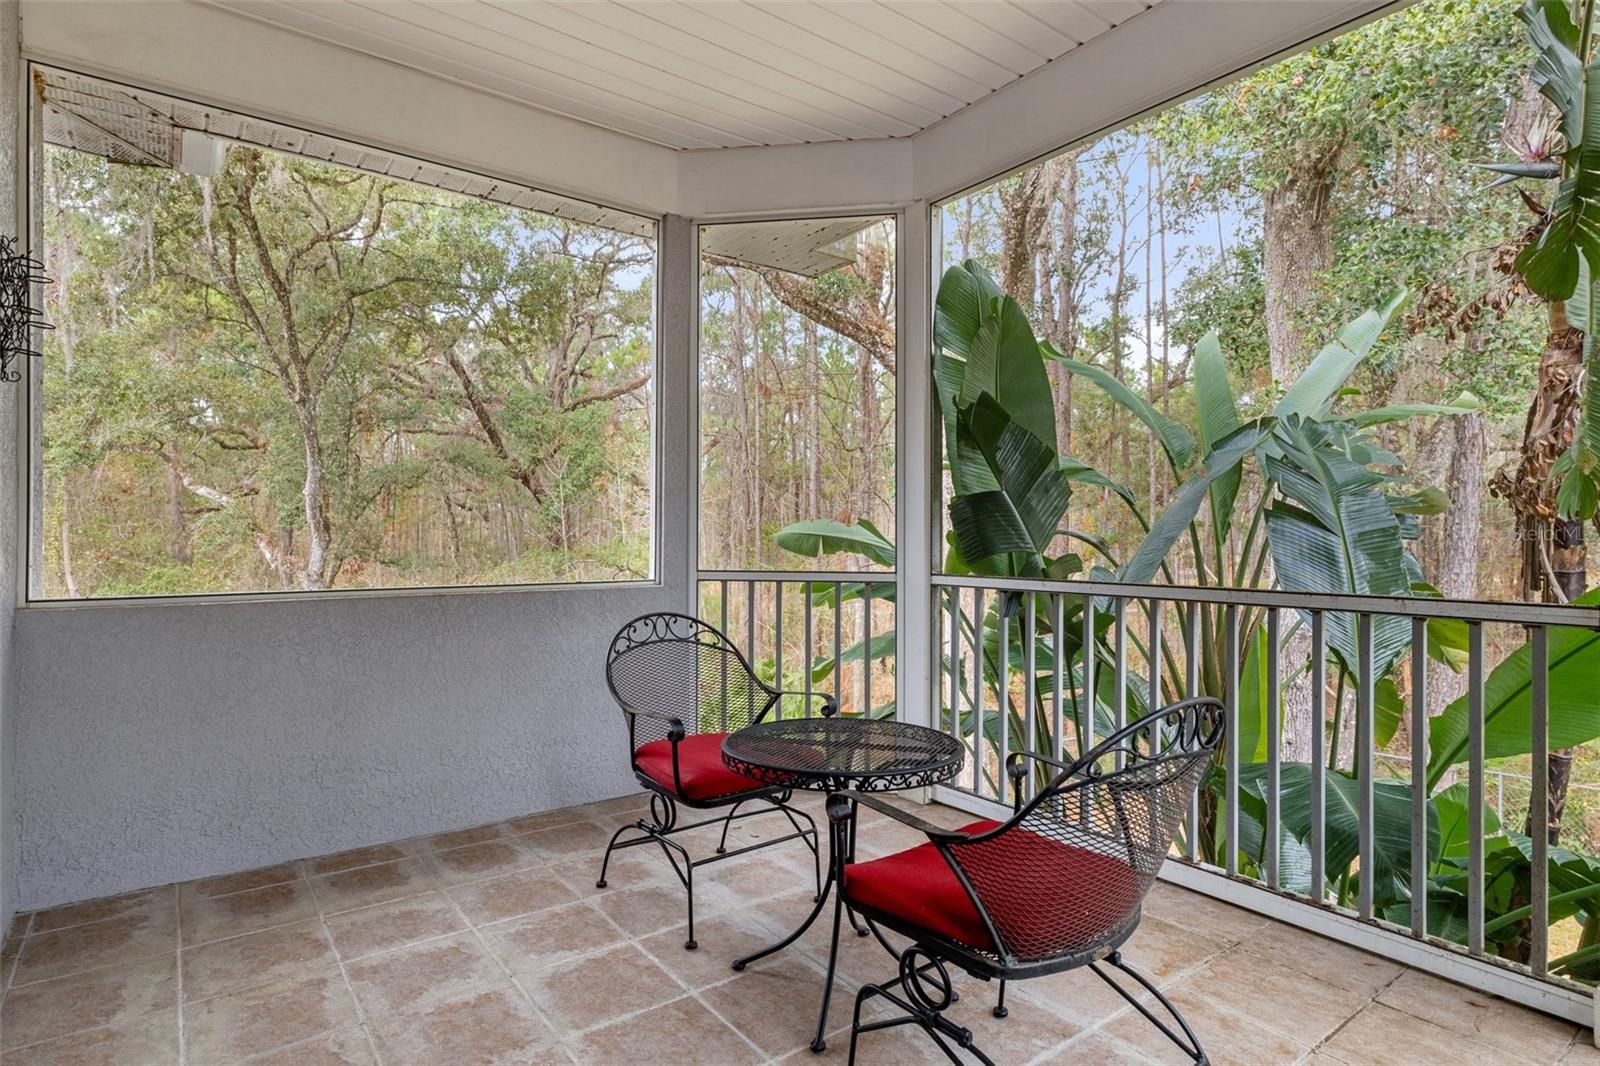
(1154, 698)
(777, 642)
(838, 645)
(1475, 788)
(1539, 802)
(1319, 755)
(1191, 689)
(1030, 678)
(1231, 740)
(1002, 688)
(1419, 775)
(750, 623)
(1274, 649)
(955, 662)
(724, 658)
(1086, 706)
(810, 645)
(1119, 699)
(866, 649)
(1366, 747)
(977, 692)
(1058, 620)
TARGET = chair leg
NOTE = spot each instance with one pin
(1000, 1010)
(924, 1004)
(722, 845)
(1188, 1043)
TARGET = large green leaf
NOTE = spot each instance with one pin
(976, 321)
(823, 536)
(1508, 701)
(1186, 502)
(1402, 412)
(1176, 441)
(1341, 538)
(1218, 416)
(1391, 817)
(1327, 372)
(1015, 491)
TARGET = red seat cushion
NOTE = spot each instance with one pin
(700, 767)
(918, 886)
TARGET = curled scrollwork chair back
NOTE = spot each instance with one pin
(673, 666)
(1068, 872)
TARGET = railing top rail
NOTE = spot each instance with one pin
(880, 577)
(1416, 607)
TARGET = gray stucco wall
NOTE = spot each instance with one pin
(163, 742)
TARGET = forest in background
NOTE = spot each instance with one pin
(293, 375)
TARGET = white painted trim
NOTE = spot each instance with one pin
(915, 699)
(1566, 1000)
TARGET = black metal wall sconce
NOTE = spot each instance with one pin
(19, 274)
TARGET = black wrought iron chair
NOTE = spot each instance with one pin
(1056, 886)
(683, 687)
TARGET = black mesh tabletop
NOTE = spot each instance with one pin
(832, 754)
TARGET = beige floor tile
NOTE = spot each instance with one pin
(346, 1047)
(775, 1003)
(365, 885)
(423, 976)
(207, 918)
(511, 895)
(1324, 959)
(570, 841)
(152, 902)
(1096, 1047)
(114, 941)
(682, 1032)
(395, 924)
(349, 860)
(758, 879)
(112, 996)
(722, 939)
(1383, 1036)
(491, 1026)
(478, 861)
(567, 991)
(258, 1020)
(460, 838)
(267, 957)
(651, 908)
(632, 868)
(20, 923)
(1202, 914)
(1582, 1052)
(1163, 951)
(1278, 996)
(1227, 1038)
(148, 1041)
(533, 823)
(537, 941)
(1487, 1018)
(225, 884)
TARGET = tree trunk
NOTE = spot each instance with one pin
(1456, 573)
(313, 494)
(1297, 238)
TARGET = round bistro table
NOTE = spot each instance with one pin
(835, 755)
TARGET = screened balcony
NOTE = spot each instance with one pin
(1005, 372)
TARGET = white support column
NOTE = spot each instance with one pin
(915, 699)
(679, 337)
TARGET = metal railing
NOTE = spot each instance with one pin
(1318, 689)
(808, 632)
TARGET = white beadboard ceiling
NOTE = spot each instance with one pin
(721, 74)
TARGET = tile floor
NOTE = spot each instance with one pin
(493, 945)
